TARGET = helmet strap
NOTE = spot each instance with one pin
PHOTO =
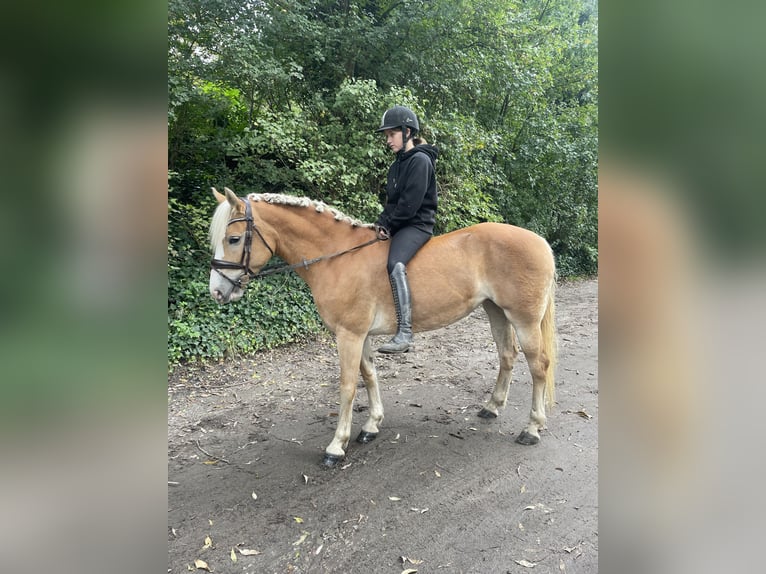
(405, 137)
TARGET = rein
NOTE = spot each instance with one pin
(306, 262)
(244, 262)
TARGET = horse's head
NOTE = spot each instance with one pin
(235, 254)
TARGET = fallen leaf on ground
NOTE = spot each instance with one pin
(208, 543)
(201, 565)
(248, 552)
(394, 498)
(255, 496)
(576, 549)
(409, 571)
(406, 559)
(302, 539)
(233, 555)
(526, 563)
(298, 519)
(580, 413)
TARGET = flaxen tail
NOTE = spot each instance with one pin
(550, 346)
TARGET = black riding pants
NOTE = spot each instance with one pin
(404, 245)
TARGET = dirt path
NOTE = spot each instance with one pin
(439, 490)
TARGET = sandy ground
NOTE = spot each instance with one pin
(440, 490)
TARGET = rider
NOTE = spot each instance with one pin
(408, 217)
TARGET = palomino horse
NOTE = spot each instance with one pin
(508, 270)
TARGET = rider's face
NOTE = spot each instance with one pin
(394, 139)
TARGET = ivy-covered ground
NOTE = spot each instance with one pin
(439, 490)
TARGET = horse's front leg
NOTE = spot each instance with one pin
(369, 374)
(349, 353)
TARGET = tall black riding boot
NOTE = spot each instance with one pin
(403, 339)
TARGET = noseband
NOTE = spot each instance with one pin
(244, 262)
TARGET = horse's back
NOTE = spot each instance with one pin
(456, 272)
(504, 247)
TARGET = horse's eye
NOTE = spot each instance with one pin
(234, 239)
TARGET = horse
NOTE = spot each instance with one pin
(507, 269)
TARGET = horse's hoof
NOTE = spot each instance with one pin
(527, 439)
(330, 460)
(487, 414)
(366, 437)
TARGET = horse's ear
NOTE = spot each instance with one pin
(232, 198)
(219, 197)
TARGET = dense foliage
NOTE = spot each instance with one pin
(284, 95)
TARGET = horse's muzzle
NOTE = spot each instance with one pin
(219, 297)
(223, 297)
(226, 291)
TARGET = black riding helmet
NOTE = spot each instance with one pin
(400, 117)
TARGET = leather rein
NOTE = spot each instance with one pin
(244, 262)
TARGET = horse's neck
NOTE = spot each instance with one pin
(304, 234)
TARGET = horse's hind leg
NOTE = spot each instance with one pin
(532, 343)
(505, 339)
(370, 376)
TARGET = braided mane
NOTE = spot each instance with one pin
(319, 206)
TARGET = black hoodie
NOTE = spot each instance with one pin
(411, 191)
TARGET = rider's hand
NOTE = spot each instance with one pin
(382, 233)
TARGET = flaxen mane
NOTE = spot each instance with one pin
(320, 207)
(221, 215)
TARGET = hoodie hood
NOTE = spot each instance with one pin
(431, 151)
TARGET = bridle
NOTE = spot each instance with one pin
(244, 261)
